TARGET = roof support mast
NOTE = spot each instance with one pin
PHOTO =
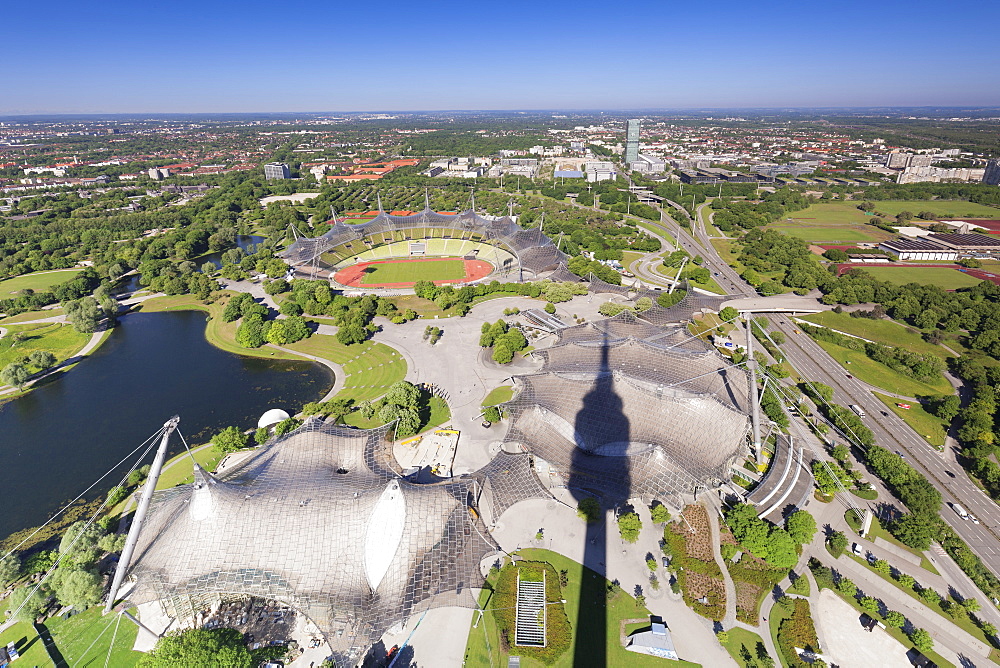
(140, 511)
(754, 396)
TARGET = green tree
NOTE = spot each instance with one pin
(502, 354)
(79, 544)
(914, 530)
(801, 527)
(838, 543)
(15, 374)
(492, 414)
(223, 647)
(869, 604)
(841, 452)
(922, 640)
(847, 587)
(589, 509)
(10, 568)
(261, 435)
(32, 603)
(207, 267)
(42, 359)
(905, 581)
(629, 526)
(550, 308)
(230, 439)
(881, 566)
(250, 333)
(971, 605)
(659, 513)
(781, 551)
(84, 314)
(78, 588)
(894, 619)
(728, 314)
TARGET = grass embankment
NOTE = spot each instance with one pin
(943, 277)
(705, 325)
(878, 531)
(220, 334)
(369, 367)
(931, 427)
(39, 281)
(426, 308)
(619, 607)
(59, 339)
(871, 372)
(498, 395)
(887, 332)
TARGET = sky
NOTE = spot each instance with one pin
(219, 56)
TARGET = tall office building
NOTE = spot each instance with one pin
(631, 141)
(992, 174)
(276, 170)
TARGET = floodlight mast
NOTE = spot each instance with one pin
(140, 512)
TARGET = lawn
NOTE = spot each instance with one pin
(621, 606)
(39, 281)
(871, 372)
(61, 340)
(409, 272)
(931, 427)
(181, 472)
(944, 209)
(742, 642)
(28, 644)
(883, 331)
(369, 367)
(812, 232)
(498, 395)
(877, 531)
(86, 639)
(943, 277)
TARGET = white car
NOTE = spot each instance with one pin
(858, 551)
(975, 520)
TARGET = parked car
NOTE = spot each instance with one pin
(871, 558)
(857, 550)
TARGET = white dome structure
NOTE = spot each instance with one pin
(272, 417)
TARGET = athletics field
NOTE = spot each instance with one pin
(404, 273)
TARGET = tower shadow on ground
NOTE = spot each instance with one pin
(600, 470)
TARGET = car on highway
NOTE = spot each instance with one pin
(901, 455)
(949, 474)
(885, 413)
(973, 518)
(849, 375)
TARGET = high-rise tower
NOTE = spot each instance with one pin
(631, 141)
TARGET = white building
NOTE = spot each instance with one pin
(912, 249)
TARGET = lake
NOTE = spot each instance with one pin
(61, 437)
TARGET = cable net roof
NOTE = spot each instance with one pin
(316, 520)
(535, 251)
(629, 416)
(505, 481)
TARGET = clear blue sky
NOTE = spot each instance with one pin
(286, 55)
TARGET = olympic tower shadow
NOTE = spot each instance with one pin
(599, 470)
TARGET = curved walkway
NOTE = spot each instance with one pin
(339, 376)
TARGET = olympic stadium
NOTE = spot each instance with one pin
(432, 244)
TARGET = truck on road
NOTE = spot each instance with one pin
(960, 511)
(858, 409)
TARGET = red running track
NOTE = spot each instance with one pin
(353, 275)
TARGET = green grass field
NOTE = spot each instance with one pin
(884, 331)
(31, 315)
(85, 639)
(38, 281)
(409, 272)
(369, 368)
(943, 277)
(59, 339)
(869, 371)
(930, 427)
(944, 209)
(743, 642)
(28, 644)
(621, 606)
(498, 395)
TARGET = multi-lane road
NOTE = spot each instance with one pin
(890, 431)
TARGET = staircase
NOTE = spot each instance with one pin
(531, 613)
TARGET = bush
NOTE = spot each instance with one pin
(797, 631)
(230, 439)
(659, 513)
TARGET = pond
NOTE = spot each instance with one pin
(62, 436)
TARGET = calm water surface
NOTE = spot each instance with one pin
(61, 437)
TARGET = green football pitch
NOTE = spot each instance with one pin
(410, 272)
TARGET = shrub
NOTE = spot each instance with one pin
(629, 526)
(659, 513)
(589, 509)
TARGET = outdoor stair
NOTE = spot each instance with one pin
(530, 610)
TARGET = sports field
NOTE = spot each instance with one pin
(404, 273)
(944, 277)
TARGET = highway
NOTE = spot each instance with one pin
(890, 431)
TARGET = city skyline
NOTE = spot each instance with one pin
(454, 57)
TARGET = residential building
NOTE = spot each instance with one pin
(276, 170)
(632, 141)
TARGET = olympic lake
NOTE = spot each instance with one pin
(60, 437)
